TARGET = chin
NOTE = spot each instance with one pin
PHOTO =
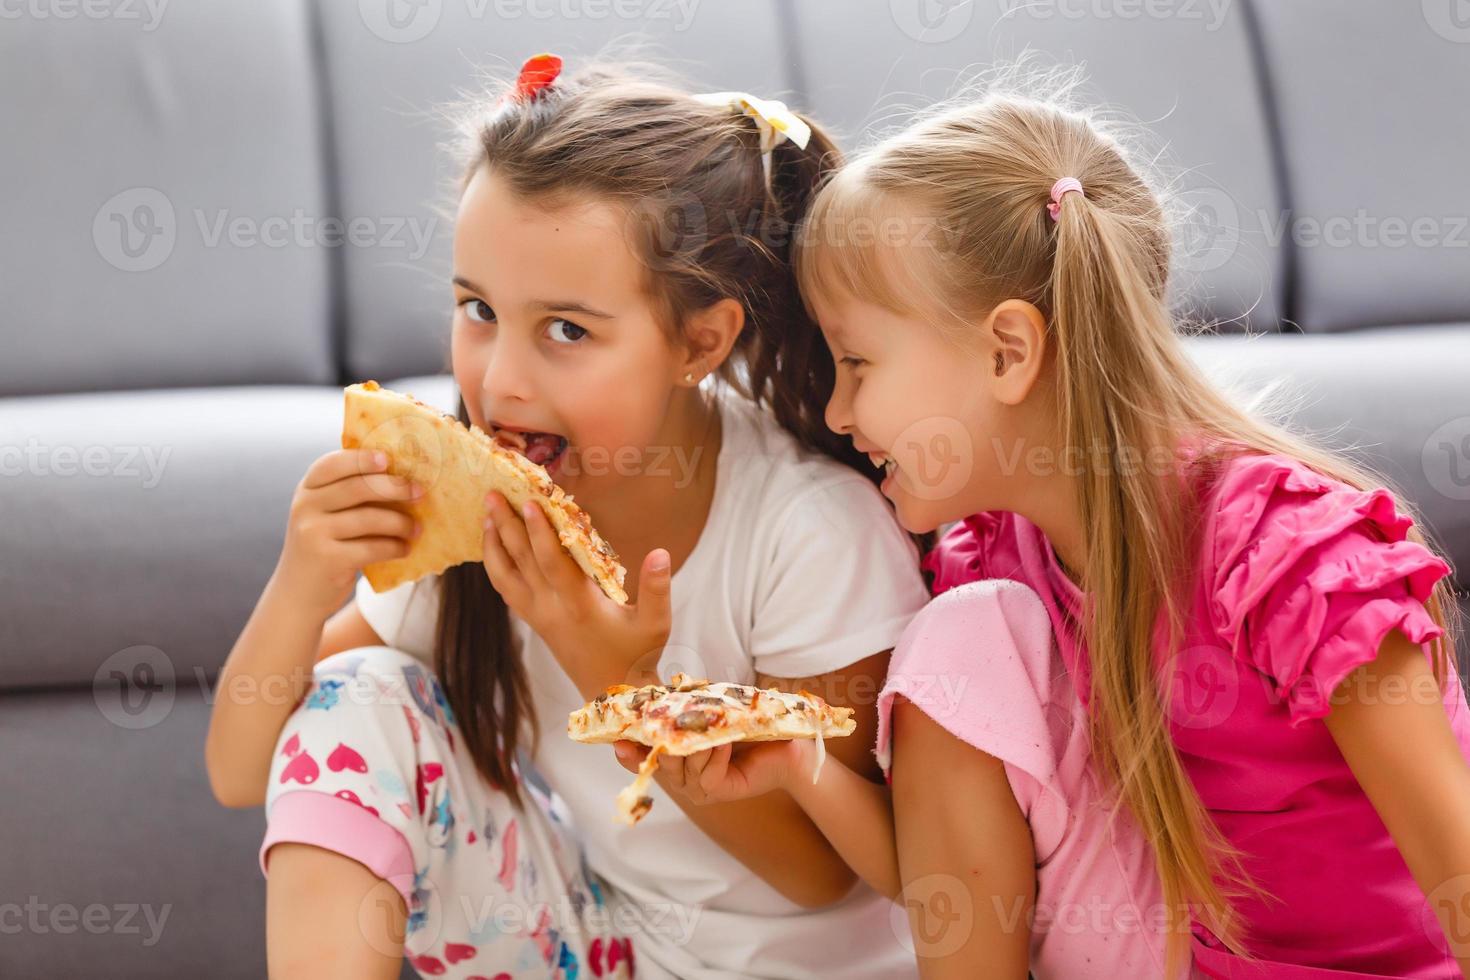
(915, 517)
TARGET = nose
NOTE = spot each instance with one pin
(838, 414)
(507, 375)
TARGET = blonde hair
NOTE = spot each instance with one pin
(982, 170)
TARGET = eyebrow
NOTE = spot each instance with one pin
(557, 306)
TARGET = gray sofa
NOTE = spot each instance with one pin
(216, 214)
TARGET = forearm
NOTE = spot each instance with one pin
(773, 837)
(266, 675)
(856, 817)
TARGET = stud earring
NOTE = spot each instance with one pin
(689, 377)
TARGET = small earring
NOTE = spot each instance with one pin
(689, 377)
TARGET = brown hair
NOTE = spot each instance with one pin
(708, 224)
(1099, 275)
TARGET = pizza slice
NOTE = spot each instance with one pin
(688, 716)
(457, 467)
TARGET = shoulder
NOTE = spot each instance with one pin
(784, 489)
(1268, 518)
(405, 616)
(1304, 574)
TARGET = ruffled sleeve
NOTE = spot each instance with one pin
(1309, 575)
(960, 554)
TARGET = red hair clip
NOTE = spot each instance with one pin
(539, 71)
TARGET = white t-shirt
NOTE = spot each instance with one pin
(800, 570)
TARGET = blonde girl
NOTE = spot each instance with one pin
(1234, 608)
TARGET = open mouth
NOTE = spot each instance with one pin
(883, 462)
(541, 448)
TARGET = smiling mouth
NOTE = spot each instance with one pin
(883, 461)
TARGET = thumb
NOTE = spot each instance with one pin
(655, 586)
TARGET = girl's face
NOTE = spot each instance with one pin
(554, 336)
(920, 406)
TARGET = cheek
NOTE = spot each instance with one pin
(614, 398)
(468, 367)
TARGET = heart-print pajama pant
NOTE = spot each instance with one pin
(372, 766)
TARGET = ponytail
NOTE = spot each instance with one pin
(1138, 531)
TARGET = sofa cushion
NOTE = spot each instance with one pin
(1397, 396)
(164, 197)
(866, 72)
(388, 78)
(118, 860)
(145, 518)
(1379, 205)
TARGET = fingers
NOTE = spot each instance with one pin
(334, 466)
(630, 755)
(557, 567)
(369, 521)
(366, 488)
(366, 551)
(655, 609)
(503, 574)
(715, 771)
(514, 541)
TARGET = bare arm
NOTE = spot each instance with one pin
(344, 515)
(266, 676)
(728, 793)
(1388, 720)
(964, 851)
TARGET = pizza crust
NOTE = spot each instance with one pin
(688, 716)
(458, 467)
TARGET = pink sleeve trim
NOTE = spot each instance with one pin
(335, 824)
(976, 660)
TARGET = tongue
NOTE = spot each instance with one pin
(541, 448)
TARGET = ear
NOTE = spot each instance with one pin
(709, 336)
(1014, 336)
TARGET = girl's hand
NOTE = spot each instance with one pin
(727, 772)
(598, 642)
(343, 516)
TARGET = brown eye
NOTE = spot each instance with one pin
(478, 310)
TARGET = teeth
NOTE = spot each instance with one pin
(882, 461)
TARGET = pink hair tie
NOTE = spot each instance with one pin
(1061, 187)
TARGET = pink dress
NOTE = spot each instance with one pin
(1299, 579)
